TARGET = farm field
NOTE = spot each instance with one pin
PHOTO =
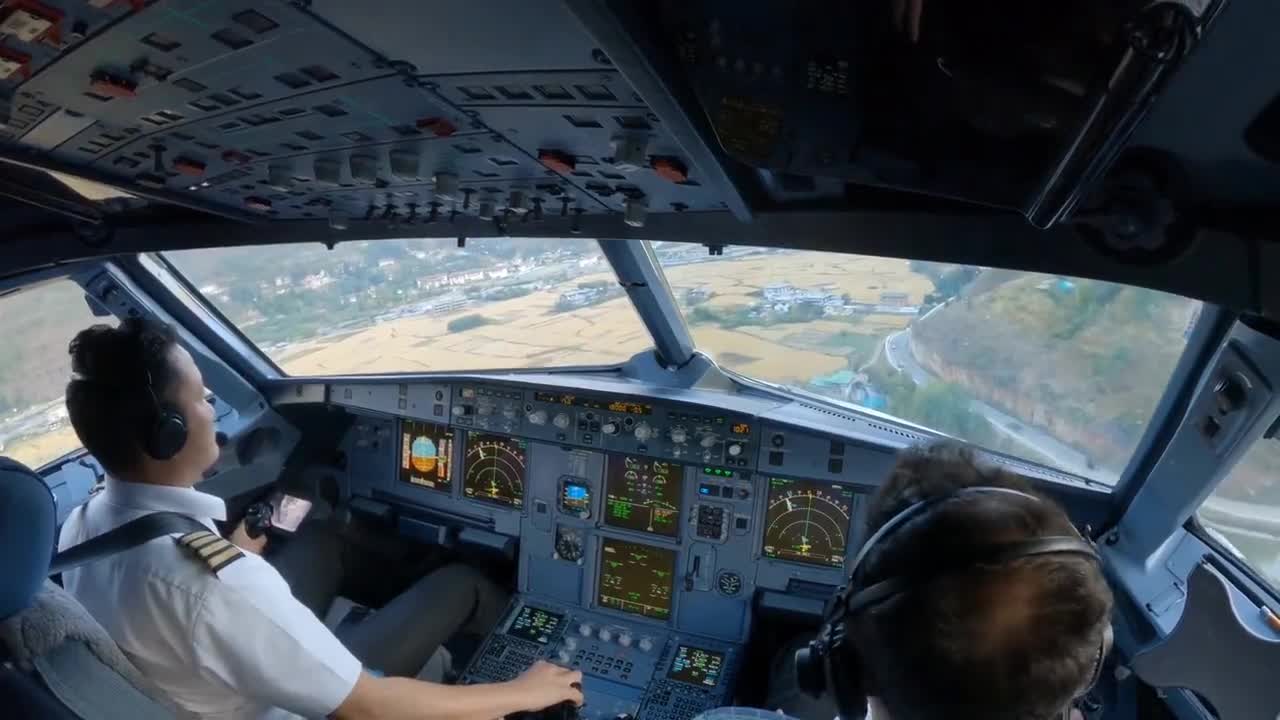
(528, 332)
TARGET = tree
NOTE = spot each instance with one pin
(467, 322)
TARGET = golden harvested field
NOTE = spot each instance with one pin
(864, 278)
(36, 450)
(526, 333)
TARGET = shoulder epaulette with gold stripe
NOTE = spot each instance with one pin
(212, 550)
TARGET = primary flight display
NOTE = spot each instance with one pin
(807, 521)
(493, 469)
(643, 494)
(425, 449)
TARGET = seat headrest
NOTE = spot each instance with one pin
(28, 518)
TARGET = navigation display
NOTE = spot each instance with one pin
(425, 449)
(535, 624)
(635, 578)
(696, 666)
(807, 521)
(493, 469)
(643, 494)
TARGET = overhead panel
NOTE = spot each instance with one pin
(296, 112)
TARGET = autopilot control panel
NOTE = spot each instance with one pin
(646, 530)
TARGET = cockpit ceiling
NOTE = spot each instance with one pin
(273, 111)
(677, 121)
(494, 108)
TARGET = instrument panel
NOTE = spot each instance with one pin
(650, 510)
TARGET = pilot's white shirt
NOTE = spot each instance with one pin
(237, 645)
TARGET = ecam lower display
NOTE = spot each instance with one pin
(635, 578)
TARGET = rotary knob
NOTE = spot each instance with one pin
(709, 441)
(609, 428)
(643, 432)
(645, 644)
(570, 643)
(734, 450)
(564, 657)
(538, 417)
(624, 639)
(561, 421)
(678, 435)
(585, 630)
(605, 635)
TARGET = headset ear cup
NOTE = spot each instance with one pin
(810, 668)
(844, 676)
(168, 435)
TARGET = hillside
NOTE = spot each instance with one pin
(1085, 360)
(37, 324)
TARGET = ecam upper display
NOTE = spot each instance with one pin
(643, 494)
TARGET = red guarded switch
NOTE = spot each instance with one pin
(437, 126)
(670, 168)
(105, 83)
(187, 166)
(30, 21)
(557, 160)
(12, 61)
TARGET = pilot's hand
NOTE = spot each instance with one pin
(544, 685)
(240, 538)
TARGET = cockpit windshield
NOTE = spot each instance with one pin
(420, 305)
(1061, 371)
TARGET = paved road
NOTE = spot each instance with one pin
(897, 351)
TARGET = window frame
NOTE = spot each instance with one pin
(1210, 331)
(1248, 579)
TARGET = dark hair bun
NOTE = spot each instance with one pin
(115, 354)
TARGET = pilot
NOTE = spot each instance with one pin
(974, 597)
(215, 625)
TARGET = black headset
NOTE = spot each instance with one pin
(166, 435)
(830, 663)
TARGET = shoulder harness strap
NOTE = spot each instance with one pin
(212, 550)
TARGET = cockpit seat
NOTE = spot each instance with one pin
(55, 660)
